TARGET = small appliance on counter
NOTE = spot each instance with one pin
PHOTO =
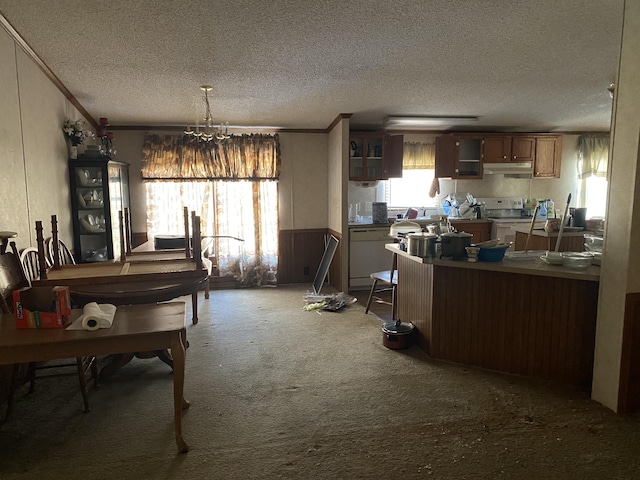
(379, 212)
(400, 231)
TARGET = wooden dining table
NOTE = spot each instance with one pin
(137, 279)
(155, 327)
(129, 282)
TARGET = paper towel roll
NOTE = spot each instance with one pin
(96, 316)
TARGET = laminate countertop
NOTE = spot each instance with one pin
(529, 266)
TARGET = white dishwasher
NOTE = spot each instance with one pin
(367, 254)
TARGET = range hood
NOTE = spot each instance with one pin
(509, 168)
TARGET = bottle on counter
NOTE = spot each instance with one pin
(529, 207)
(551, 211)
(542, 213)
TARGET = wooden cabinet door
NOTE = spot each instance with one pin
(523, 149)
(480, 230)
(446, 157)
(496, 149)
(392, 156)
(548, 157)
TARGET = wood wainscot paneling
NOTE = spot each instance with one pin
(415, 297)
(299, 255)
(539, 326)
(529, 325)
(629, 394)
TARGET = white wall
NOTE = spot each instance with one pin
(33, 154)
(620, 273)
(303, 187)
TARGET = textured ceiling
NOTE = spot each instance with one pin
(520, 65)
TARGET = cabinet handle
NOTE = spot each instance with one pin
(504, 156)
(514, 157)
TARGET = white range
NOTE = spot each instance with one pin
(505, 213)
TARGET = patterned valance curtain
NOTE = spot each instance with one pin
(241, 157)
(418, 156)
(593, 155)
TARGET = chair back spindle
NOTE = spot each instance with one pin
(56, 247)
(41, 255)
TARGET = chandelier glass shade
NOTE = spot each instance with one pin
(208, 132)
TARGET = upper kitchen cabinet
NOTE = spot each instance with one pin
(375, 156)
(508, 148)
(523, 149)
(548, 157)
(496, 149)
(458, 157)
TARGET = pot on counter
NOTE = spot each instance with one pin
(422, 244)
(453, 244)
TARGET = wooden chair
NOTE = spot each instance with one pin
(389, 280)
(30, 263)
(18, 274)
(65, 256)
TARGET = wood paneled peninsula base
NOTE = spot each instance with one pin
(521, 317)
(541, 240)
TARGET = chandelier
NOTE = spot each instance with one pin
(209, 132)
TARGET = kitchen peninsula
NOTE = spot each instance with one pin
(521, 317)
(571, 241)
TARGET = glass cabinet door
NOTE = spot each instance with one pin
(91, 214)
(97, 196)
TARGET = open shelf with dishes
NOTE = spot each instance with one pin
(99, 191)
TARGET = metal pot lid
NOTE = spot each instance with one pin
(398, 328)
(404, 228)
(422, 235)
(457, 234)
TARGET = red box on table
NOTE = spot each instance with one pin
(42, 307)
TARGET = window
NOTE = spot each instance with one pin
(593, 153)
(412, 190)
(418, 171)
(594, 196)
(244, 214)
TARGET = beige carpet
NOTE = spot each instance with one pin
(278, 392)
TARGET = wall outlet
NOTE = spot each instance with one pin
(368, 206)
